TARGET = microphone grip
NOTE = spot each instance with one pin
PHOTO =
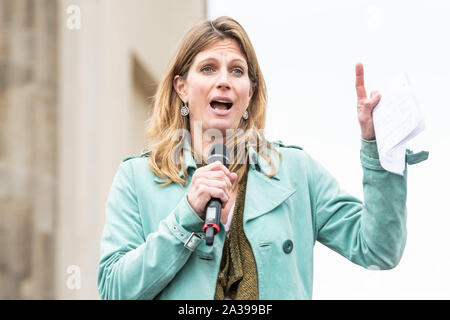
(212, 220)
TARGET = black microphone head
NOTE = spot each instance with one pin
(219, 152)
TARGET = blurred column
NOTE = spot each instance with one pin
(78, 146)
(28, 157)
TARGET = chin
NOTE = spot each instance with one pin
(219, 124)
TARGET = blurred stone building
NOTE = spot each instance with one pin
(76, 78)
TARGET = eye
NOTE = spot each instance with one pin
(206, 69)
(239, 71)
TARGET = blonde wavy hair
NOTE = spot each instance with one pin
(166, 123)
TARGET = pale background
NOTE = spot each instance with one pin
(307, 51)
(73, 102)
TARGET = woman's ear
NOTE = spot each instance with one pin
(179, 84)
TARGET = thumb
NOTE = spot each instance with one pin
(375, 97)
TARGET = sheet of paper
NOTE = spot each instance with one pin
(397, 119)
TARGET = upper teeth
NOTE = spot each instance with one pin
(223, 101)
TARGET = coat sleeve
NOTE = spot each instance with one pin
(131, 265)
(370, 233)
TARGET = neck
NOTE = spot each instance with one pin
(202, 141)
(202, 145)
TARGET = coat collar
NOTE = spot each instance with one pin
(256, 161)
(275, 191)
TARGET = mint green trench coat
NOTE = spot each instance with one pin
(153, 248)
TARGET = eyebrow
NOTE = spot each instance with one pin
(214, 59)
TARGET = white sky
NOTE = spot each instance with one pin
(307, 51)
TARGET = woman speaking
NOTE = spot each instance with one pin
(276, 200)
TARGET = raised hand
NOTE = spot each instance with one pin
(365, 105)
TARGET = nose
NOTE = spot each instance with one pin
(223, 82)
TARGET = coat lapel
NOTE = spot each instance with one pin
(263, 194)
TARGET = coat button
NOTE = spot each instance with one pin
(288, 245)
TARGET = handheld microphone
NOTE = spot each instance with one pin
(213, 208)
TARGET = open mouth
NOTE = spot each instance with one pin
(220, 105)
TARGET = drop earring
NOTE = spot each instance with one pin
(185, 109)
(245, 115)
